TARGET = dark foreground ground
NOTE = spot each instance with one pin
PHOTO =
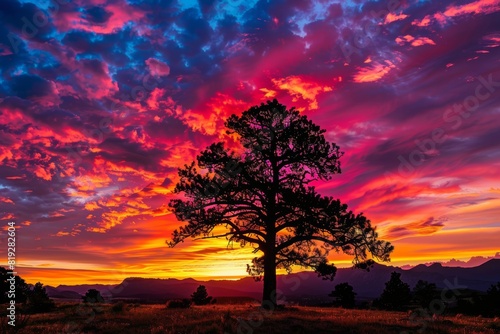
(215, 319)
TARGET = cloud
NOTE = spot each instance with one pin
(6, 200)
(424, 227)
(474, 7)
(391, 17)
(301, 88)
(374, 72)
(102, 20)
(157, 68)
(419, 41)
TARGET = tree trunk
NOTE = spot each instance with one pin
(269, 294)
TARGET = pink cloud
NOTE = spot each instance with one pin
(419, 41)
(157, 68)
(121, 14)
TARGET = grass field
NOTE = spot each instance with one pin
(135, 318)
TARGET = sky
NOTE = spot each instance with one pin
(102, 100)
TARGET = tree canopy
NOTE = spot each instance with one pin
(344, 295)
(38, 300)
(424, 293)
(200, 296)
(261, 193)
(396, 295)
(93, 296)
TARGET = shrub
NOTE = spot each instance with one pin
(93, 296)
(118, 307)
(179, 303)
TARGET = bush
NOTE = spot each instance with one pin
(118, 307)
(93, 296)
(179, 303)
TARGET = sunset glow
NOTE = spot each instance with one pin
(101, 103)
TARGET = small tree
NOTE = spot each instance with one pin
(396, 295)
(93, 296)
(38, 300)
(424, 293)
(200, 296)
(344, 295)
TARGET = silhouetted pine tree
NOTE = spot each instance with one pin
(424, 293)
(344, 295)
(38, 300)
(200, 296)
(261, 194)
(396, 295)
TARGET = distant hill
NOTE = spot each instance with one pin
(474, 261)
(297, 286)
(62, 294)
(82, 288)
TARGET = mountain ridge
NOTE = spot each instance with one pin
(295, 286)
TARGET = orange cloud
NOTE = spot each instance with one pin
(476, 7)
(423, 227)
(43, 173)
(6, 200)
(374, 72)
(419, 41)
(394, 17)
(209, 118)
(268, 93)
(422, 41)
(300, 88)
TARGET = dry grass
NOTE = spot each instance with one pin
(215, 319)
